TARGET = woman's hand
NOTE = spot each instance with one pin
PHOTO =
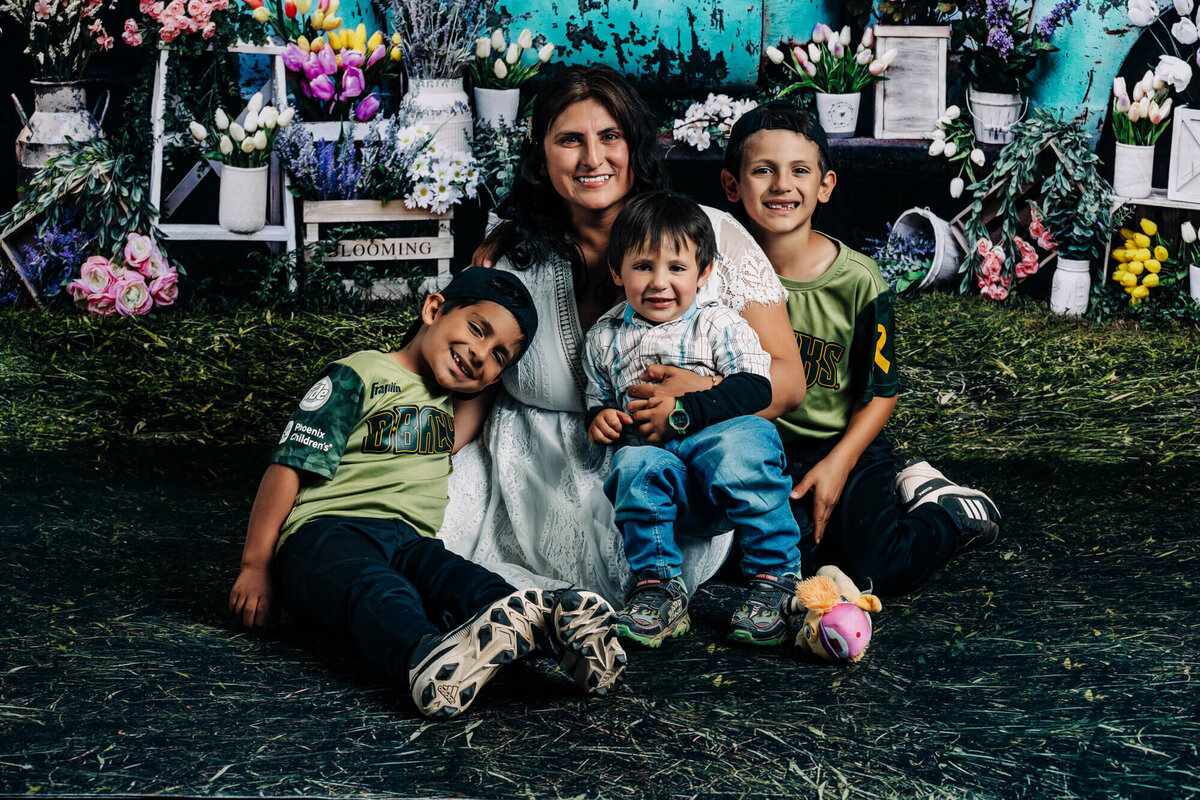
(664, 380)
(826, 481)
(485, 254)
(650, 417)
(250, 599)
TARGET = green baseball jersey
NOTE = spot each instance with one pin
(374, 441)
(843, 322)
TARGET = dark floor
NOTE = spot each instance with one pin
(1060, 663)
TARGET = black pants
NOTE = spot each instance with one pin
(380, 583)
(866, 536)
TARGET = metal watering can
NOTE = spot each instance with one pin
(59, 115)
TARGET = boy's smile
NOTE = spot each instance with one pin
(661, 282)
(467, 347)
(780, 181)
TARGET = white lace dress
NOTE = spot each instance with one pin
(526, 498)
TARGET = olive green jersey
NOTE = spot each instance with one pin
(843, 322)
(372, 440)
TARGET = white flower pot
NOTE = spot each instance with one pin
(243, 204)
(497, 107)
(1133, 169)
(838, 113)
(1194, 282)
(993, 114)
(1071, 287)
(441, 107)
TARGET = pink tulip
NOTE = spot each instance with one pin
(353, 83)
(877, 67)
(352, 58)
(313, 68)
(327, 60)
(367, 107)
(322, 87)
(379, 52)
(800, 55)
(294, 57)
(868, 37)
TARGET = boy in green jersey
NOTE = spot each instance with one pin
(344, 522)
(853, 509)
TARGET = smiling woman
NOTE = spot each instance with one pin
(527, 498)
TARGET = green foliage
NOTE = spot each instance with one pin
(915, 12)
(999, 52)
(497, 155)
(1073, 196)
(100, 185)
(904, 260)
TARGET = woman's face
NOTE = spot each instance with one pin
(587, 157)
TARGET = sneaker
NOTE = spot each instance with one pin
(446, 672)
(583, 624)
(977, 516)
(763, 618)
(655, 610)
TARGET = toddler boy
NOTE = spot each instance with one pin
(701, 456)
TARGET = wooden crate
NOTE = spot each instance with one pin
(909, 102)
(439, 247)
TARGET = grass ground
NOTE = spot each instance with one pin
(1060, 663)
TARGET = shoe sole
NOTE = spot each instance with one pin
(449, 679)
(592, 656)
(909, 491)
(745, 637)
(681, 626)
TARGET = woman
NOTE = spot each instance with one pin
(527, 499)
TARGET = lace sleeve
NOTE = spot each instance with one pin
(742, 273)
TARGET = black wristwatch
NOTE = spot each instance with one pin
(679, 419)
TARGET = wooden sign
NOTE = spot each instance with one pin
(1183, 178)
(909, 102)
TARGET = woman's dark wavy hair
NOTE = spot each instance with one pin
(537, 224)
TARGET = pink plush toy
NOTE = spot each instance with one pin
(836, 624)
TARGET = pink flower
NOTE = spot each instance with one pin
(145, 5)
(353, 83)
(379, 52)
(1029, 258)
(156, 10)
(293, 57)
(105, 42)
(131, 295)
(103, 305)
(1037, 229)
(322, 87)
(366, 108)
(96, 276)
(41, 9)
(137, 250)
(197, 7)
(133, 39)
(352, 58)
(984, 246)
(165, 288)
(209, 29)
(96, 27)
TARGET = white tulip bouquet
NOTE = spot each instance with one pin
(826, 63)
(1141, 118)
(506, 65)
(244, 144)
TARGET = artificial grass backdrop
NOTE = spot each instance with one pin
(1059, 663)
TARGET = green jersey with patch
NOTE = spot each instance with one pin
(372, 440)
(843, 322)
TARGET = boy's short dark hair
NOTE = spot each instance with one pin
(651, 217)
(777, 115)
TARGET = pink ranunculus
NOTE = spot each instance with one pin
(137, 250)
(175, 8)
(322, 87)
(96, 274)
(1029, 258)
(196, 7)
(984, 247)
(293, 57)
(144, 6)
(168, 34)
(165, 288)
(102, 305)
(366, 108)
(352, 58)
(131, 295)
(156, 10)
(353, 83)
(78, 290)
(209, 30)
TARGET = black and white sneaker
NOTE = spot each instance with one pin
(583, 626)
(446, 672)
(977, 516)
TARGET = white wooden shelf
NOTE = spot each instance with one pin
(215, 233)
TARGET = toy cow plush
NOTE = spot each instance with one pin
(836, 625)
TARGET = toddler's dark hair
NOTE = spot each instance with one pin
(651, 217)
(777, 115)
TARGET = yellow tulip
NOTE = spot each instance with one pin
(333, 6)
(261, 14)
(1126, 233)
(1142, 254)
(317, 20)
(1140, 291)
(1161, 254)
(361, 30)
(1150, 280)
(1141, 239)
(1120, 254)
(395, 55)
(333, 23)
(1134, 267)
(302, 6)
(1130, 244)
(336, 40)
(1152, 265)
(375, 40)
(1129, 280)
(1149, 228)
(302, 43)
(1118, 275)
(1128, 290)
(317, 45)
(396, 39)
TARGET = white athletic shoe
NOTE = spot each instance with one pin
(977, 516)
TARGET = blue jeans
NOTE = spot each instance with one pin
(729, 475)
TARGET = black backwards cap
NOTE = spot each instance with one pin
(776, 115)
(498, 286)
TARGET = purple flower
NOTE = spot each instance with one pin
(352, 58)
(1000, 24)
(327, 60)
(1058, 15)
(312, 67)
(366, 108)
(293, 57)
(322, 87)
(379, 52)
(353, 83)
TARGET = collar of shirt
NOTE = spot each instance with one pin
(631, 317)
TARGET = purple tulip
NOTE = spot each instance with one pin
(328, 61)
(352, 58)
(366, 108)
(293, 57)
(353, 83)
(379, 52)
(312, 67)
(322, 87)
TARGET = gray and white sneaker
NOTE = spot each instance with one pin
(446, 672)
(583, 626)
(977, 516)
